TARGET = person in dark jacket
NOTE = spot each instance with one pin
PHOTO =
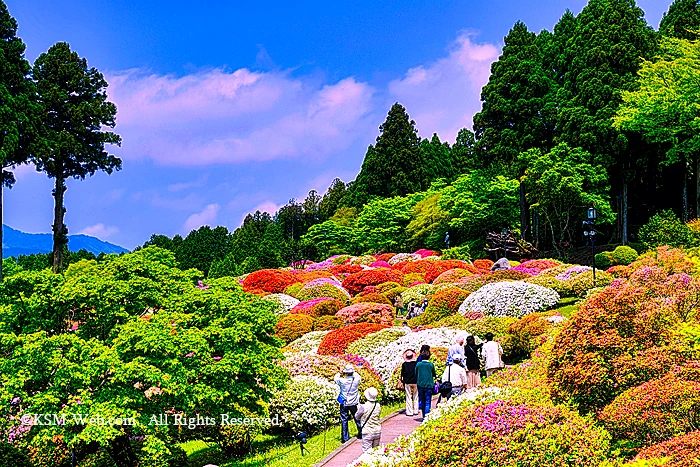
(409, 380)
(425, 379)
(473, 362)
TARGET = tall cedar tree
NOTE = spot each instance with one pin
(518, 111)
(332, 199)
(18, 109)
(682, 20)
(74, 111)
(394, 165)
(437, 157)
(600, 60)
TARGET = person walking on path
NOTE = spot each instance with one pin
(348, 398)
(425, 379)
(408, 378)
(368, 414)
(456, 349)
(456, 375)
(492, 353)
(423, 349)
(473, 363)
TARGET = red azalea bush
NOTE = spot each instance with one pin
(318, 307)
(507, 434)
(441, 305)
(620, 338)
(371, 298)
(408, 267)
(384, 256)
(354, 283)
(367, 313)
(535, 266)
(484, 264)
(654, 411)
(438, 267)
(681, 451)
(269, 280)
(336, 342)
(343, 270)
(291, 327)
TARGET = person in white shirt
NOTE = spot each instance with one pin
(349, 383)
(368, 414)
(492, 353)
(455, 374)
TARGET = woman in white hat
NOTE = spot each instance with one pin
(368, 414)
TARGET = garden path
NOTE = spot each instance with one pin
(393, 426)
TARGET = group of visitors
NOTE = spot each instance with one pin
(462, 372)
(413, 308)
(418, 378)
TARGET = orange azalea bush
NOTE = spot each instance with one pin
(436, 268)
(681, 451)
(441, 305)
(654, 411)
(291, 327)
(269, 280)
(483, 264)
(621, 337)
(336, 342)
(354, 283)
(367, 313)
(328, 323)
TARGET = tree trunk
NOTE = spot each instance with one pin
(524, 214)
(624, 212)
(121, 452)
(684, 211)
(59, 228)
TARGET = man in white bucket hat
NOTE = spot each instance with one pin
(369, 416)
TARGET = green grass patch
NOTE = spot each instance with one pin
(567, 306)
(284, 452)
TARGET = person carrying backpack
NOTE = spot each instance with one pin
(368, 414)
(454, 379)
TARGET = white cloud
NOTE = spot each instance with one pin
(266, 206)
(200, 182)
(205, 217)
(100, 231)
(444, 95)
(221, 117)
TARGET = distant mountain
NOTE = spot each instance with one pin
(15, 243)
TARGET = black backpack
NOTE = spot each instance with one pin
(445, 388)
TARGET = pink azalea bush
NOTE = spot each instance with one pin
(367, 313)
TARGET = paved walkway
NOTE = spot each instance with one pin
(393, 426)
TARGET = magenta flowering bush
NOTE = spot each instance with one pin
(380, 264)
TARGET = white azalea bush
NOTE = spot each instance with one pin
(306, 344)
(376, 342)
(512, 299)
(307, 403)
(386, 361)
(399, 257)
(283, 302)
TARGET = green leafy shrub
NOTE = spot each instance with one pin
(654, 411)
(291, 327)
(604, 260)
(524, 336)
(664, 228)
(582, 283)
(442, 304)
(458, 252)
(563, 288)
(307, 404)
(624, 255)
(328, 323)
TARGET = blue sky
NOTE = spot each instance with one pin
(227, 107)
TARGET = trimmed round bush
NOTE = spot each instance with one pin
(681, 451)
(366, 260)
(438, 267)
(514, 299)
(367, 313)
(323, 289)
(371, 298)
(318, 307)
(624, 255)
(354, 283)
(654, 411)
(308, 404)
(413, 277)
(326, 366)
(416, 293)
(269, 280)
(442, 304)
(291, 327)
(376, 342)
(306, 344)
(328, 323)
(337, 341)
(507, 434)
(563, 288)
(451, 275)
(582, 283)
(283, 302)
(508, 275)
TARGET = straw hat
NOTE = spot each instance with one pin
(408, 352)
